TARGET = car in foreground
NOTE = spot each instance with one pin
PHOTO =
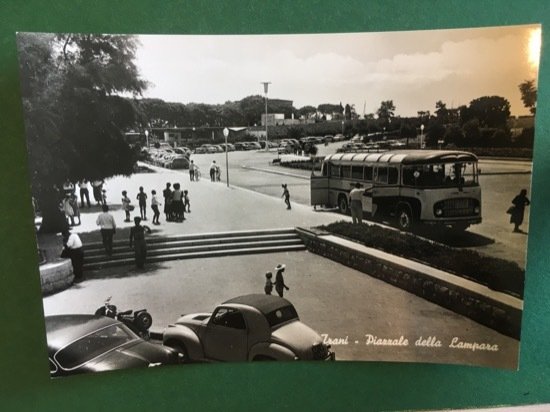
(247, 328)
(93, 343)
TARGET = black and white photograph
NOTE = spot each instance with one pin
(308, 197)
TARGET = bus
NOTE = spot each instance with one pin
(436, 187)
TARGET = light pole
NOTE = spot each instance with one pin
(226, 133)
(266, 86)
(342, 127)
(147, 138)
(422, 136)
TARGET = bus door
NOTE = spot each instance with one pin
(364, 173)
(319, 187)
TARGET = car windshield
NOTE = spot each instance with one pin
(90, 346)
(281, 315)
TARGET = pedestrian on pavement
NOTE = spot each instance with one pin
(286, 195)
(84, 193)
(68, 209)
(126, 205)
(167, 194)
(213, 167)
(218, 173)
(73, 250)
(279, 279)
(142, 201)
(356, 204)
(518, 210)
(177, 204)
(106, 222)
(268, 288)
(68, 187)
(186, 202)
(97, 186)
(137, 242)
(155, 206)
(103, 197)
(192, 171)
(73, 201)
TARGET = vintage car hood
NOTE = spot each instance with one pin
(133, 355)
(298, 337)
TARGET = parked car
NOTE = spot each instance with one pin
(252, 145)
(247, 328)
(339, 137)
(90, 343)
(240, 146)
(328, 138)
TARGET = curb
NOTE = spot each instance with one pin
(495, 310)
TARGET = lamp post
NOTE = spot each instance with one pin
(226, 133)
(266, 86)
(147, 138)
(342, 127)
(422, 136)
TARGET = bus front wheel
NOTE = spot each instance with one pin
(404, 218)
(343, 204)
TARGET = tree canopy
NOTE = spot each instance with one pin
(529, 95)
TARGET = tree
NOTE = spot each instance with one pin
(75, 116)
(529, 95)
(491, 111)
(441, 111)
(307, 112)
(347, 112)
(386, 111)
(330, 109)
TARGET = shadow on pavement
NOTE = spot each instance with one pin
(121, 272)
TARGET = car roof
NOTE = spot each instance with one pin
(264, 303)
(63, 329)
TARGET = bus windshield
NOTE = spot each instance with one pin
(441, 175)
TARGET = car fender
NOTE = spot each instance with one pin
(271, 350)
(186, 336)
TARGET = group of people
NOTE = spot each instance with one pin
(279, 283)
(215, 172)
(69, 202)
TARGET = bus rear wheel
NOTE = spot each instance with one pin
(404, 218)
(343, 204)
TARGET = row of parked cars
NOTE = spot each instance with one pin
(381, 146)
(246, 328)
(169, 157)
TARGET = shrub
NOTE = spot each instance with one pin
(496, 273)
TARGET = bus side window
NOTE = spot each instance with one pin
(368, 173)
(324, 168)
(346, 171)
(357, 172)
(382, 175)
(334, 171)
(392, 175)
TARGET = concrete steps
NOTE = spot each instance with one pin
(203, 245)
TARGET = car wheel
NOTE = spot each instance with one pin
(180, 348)
(144, 319)
(343, 204)
(404, 218)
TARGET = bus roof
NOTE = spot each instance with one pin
(406, 157)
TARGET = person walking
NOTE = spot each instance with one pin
(186, 202)
(167, 194)
(279, 280)
(73, 201)
(518, 210)
(103, 197)
(107, 224)
(138, 243)
(177, 204)
(84, 193)
(155, 206)
(126, 205)
(73, 250)
(142, 201)
(68, 187)
(268, 288)
(68, 209)
(97, 186)
(286, 195)
(192, 171)
(213, 167)
(356, 204)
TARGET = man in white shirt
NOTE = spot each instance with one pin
(106, 222)
(73, 245)
(356, 204)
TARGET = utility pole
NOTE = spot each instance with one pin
(266, 86)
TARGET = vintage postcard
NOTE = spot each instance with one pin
(323, 197)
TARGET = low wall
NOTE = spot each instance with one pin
(56, 274)
(497, 315)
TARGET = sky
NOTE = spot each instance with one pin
(415, 69)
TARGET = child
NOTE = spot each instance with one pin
(268, 283)
(126, 205)
(286, 195)
(155, 206)
(186, 202)
(142, 200)
(104, 197)
(73, 200)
